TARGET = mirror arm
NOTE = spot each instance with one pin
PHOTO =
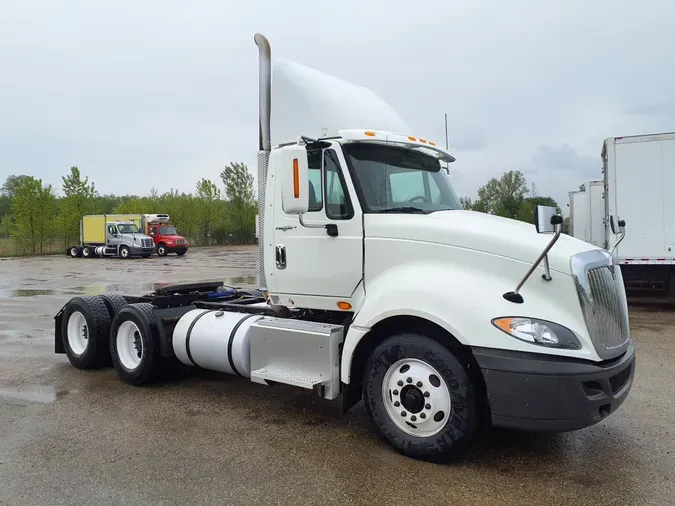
(331, 228)
(515, 296)
(307, 225)
(622, 229)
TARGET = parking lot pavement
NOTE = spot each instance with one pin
(74, 437)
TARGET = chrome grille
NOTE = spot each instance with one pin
(603, 301)
(146, 243)
(180, 241)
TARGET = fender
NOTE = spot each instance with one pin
(463, 299)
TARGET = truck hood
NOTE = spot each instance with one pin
(477, 231)
(138, 236)
(172, 237)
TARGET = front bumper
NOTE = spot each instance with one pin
(138, 251)
(176, 248)
(538, 392)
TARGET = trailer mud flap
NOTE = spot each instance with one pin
(58, 337)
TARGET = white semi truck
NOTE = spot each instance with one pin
(375, 285)
(639, 182)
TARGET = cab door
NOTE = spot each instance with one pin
(311, 259)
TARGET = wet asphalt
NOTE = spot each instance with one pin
(75, 437)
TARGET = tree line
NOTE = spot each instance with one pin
(38, 219)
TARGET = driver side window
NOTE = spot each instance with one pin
(314, 176)
(112, 229)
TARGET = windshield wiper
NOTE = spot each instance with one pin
(409, 210)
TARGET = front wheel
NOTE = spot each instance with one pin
(125, 252)
(420, 398)
(161, 250)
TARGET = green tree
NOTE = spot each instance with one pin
(79, 200)
(504, 196)
(11, 185)
(239, 192)
(526, 212)
(208, 196)
(34, 209)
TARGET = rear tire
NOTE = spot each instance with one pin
(87, 252)
(420, 398)
(84, 331)
(74, 252)
(134, 344)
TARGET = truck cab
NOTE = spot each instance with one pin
(164, 235)
(127, 240)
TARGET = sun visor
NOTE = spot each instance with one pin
(308, 102)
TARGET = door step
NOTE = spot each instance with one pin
(288, 378)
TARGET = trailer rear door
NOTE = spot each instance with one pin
(639, 193)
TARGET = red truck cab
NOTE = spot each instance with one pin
(164, 235)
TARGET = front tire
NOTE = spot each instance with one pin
(125, 252)
(420, 398)
(134, 344)
(161, 250)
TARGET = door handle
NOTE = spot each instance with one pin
(281, 256)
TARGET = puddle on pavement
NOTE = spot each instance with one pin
(8, 294)
(42, 395)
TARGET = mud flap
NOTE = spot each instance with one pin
(58, 337)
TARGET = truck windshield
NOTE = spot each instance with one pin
(392, 179)
(127, 228)
(167, 231)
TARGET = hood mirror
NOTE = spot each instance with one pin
(547, 221)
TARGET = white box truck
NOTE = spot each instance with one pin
(375, 285)
(639, 179)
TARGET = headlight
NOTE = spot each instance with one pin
(538, 332)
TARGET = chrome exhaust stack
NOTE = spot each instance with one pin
(264, 144)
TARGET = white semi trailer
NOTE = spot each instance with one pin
(376, 285)
(639, 182)
(587, 213)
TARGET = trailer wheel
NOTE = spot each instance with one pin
(125, 252)
(134, 344)
(87, 252)
(84, 330)
(74, 252)
(161, 250)
(420, 398)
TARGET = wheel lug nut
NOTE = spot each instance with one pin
(397, 404)
(402, 413)
(426, 394)
(400, 383)
(428, 406)
(423, 415)
(409, 380)
(419, 384)
(395, 392)
(413, 418)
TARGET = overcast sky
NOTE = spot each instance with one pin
(161, 93)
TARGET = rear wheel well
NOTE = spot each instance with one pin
(396, 325)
